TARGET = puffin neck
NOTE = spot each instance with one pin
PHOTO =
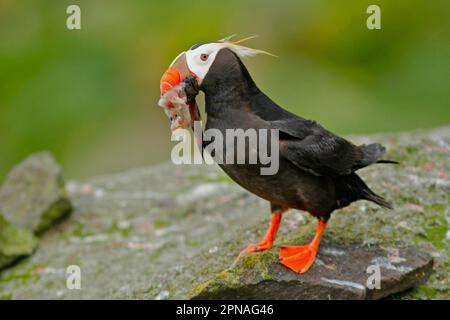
(229, 86)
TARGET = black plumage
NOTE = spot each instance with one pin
(317, 167)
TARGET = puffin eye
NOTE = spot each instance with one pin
(204, 57)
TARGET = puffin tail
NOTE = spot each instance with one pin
(367, 194)
(379, 200)
(352, 188)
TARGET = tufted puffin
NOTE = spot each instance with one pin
(317, 169)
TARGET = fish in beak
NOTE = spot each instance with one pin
(179, 87)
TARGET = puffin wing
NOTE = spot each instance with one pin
(314, 149)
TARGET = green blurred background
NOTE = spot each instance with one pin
(90, 95)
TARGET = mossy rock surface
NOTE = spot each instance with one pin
(171, 232)
(14, 243)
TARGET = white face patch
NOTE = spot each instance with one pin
(200, 59)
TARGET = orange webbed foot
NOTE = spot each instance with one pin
(288, 251)
(301, 258)
(298, 258)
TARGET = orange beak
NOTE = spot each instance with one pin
(177, 72)
(170, 79)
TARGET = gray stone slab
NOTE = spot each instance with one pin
(164, 232)
(338, 273)
(33, 196)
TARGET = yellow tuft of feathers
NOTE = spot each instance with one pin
(243, 51)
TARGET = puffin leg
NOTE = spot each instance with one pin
(300, 258)
(268, 240)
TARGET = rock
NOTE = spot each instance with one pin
(14, 243)
(33, 195)
(167, 232)
(339, 273)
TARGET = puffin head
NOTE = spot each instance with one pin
(197, 62)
